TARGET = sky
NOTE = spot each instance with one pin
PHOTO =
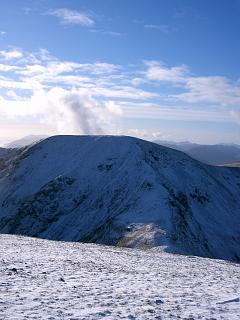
(155, 69)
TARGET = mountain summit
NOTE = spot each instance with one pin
(122, 191)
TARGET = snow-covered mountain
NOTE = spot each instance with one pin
(121, 191)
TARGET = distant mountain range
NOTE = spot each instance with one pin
(120, 191)
(25, 141)
(218, 154)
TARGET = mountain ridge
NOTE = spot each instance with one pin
(214, 154)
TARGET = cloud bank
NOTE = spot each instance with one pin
(70, 97)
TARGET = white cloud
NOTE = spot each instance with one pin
(123, 92)
(68, 16)
(6, 68)
(216, 90)
(98, 79)
(56, 67)
(3, 33)
(82, 113)
(162, 27)
(159, 72)
(107, 32)
(27, 84)
(112, 33)
(101, 68)
(14, 96)
(11, 54)
(144, 134)
(137, 81)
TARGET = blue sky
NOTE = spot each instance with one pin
(151, 68)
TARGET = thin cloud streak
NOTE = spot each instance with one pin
(107, 32)
(159, 111)
(68, 16)
(162, 27)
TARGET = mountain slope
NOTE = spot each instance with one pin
(121, 191)
(6, 156)
(3, 152)
(43, 279)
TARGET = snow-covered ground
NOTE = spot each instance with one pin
(43, 279)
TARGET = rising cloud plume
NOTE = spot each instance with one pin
(77, 113)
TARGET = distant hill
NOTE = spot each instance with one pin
(121, 191)
(234, 164)
(25, 141)
(181, 146)
(218, 154)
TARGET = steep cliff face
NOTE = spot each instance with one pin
(121, 191)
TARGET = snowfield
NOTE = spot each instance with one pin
(43, 279)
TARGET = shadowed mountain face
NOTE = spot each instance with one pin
(219, 154)
(121, 191)
(3, 152)
(5, 156)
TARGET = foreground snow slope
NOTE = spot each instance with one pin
(42, 279)
(121, 191)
